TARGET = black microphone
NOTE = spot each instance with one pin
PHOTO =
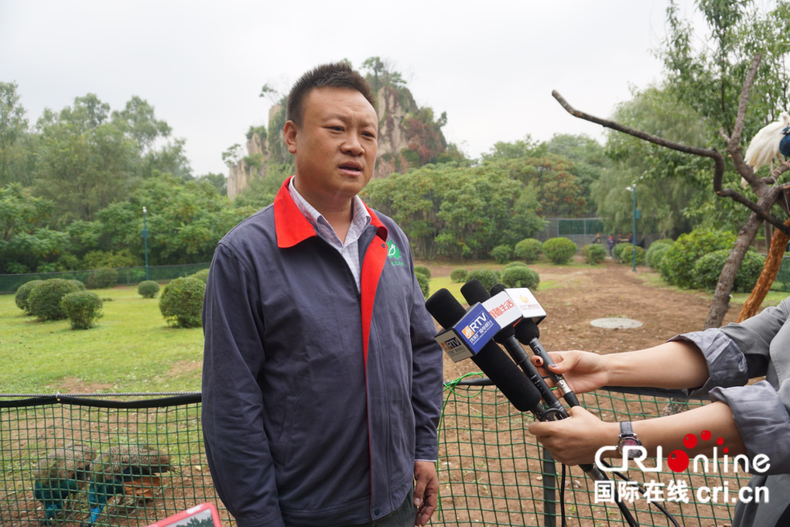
(474, 292)
(443, 306)
(527, 332)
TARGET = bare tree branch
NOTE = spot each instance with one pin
(735, 139)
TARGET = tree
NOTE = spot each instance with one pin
(15, 139)
(85, 163)
(218, 181)
(673, 188)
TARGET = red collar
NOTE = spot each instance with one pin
(293, 228)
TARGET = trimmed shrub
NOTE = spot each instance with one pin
(148, 289)
(201, 275)
(181, 302)
(655, 257)
(513, 264)
(102, 278)
(23, 293)
(82, 308)
(679, 260)
(422, 269)
(657, 247)
(627, 255)
(707, 270)
(79, 284)
(617, 251)
(424, 282)
(594, 253)
(488, 277)
(528, 250)
(458, 275)
(520, 277)
(559, 250)
(44, 299)
(502, 254)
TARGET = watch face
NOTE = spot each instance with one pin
(629, 442)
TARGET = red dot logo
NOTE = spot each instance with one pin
(690, 441)
(678, 461)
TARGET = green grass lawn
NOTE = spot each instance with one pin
(131, 349)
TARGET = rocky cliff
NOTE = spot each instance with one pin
(408, 137)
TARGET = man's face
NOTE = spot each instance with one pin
(335, 146)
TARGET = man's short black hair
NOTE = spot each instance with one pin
(333, 75)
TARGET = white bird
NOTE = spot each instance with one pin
(764, 146)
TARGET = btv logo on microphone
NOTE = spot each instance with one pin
(393, 254)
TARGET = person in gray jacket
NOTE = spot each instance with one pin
(322, 384)
(751, 419)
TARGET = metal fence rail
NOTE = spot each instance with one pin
(491, 470)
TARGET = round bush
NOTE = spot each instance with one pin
(528, 250)
(707, 270)
(559, 250)
(79, 284)
(627, 255)
(594, 253)
(679, 260)
(148, 289)
(422, 269)
(181, 302)
(102, 278)
(520, 277)
(487, 277)
(657, 247)
(513, 264)
(617, 252)
(502, 254)
(82, 308)
(424, 282)
(23, 293)
(44, 299)
(458, 275)
(201, 275)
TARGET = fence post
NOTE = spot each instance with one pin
(549, 473)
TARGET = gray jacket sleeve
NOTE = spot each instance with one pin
(237, 448)
(738, 352)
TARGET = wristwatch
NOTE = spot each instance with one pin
(627, 438)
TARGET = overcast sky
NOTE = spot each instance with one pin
(490, 65)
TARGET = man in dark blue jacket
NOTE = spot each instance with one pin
(321, 380)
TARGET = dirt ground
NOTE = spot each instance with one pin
(612, 290)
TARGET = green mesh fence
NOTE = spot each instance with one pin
(126, 275)
(782, 282)
(491, 470)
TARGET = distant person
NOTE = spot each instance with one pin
(619, 238)
(597, 238)
(630, 238)
(610, 243)
(322, 383)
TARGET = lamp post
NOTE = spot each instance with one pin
(632, 189)
(145, 241)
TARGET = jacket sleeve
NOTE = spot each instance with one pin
(736, 353)
(427, 380)
(237, 448)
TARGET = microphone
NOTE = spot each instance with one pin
(527, 332)
(474, 292)
(443, 306)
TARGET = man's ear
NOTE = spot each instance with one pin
(289, 134)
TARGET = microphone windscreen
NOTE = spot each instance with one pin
(497, 289)
(443, 306)
(474, 292)
(526, 331)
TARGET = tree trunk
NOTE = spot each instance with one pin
(772, 264)
(721, 297)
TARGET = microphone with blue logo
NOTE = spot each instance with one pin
(468, 334)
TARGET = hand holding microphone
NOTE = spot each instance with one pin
(583, 371)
